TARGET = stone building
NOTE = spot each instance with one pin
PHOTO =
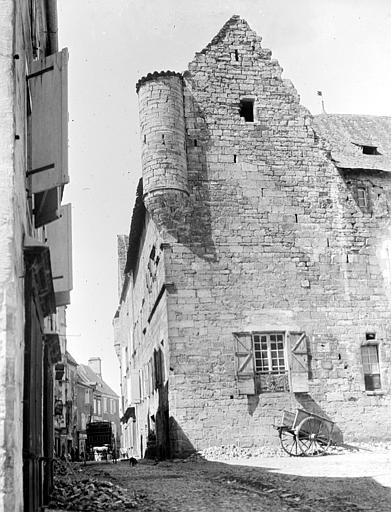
(258, 272)
(35, 250)
(96, 401)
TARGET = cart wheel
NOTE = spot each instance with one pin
(289, 444)
(314, 436)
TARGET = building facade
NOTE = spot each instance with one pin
(258, 269)
(96, 401)
(35, 246)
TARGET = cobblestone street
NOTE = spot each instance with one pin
(344, 482)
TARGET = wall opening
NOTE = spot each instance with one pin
(236, 55)
(370, 150)
(247, 110)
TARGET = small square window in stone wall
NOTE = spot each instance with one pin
(247, 110)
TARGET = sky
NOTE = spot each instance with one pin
(339, 47)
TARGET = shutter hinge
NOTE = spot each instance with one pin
(40, 72)
(40, 169)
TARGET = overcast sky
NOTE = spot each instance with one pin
(341, 47)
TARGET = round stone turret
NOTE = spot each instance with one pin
(162, 124)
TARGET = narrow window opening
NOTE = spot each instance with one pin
(145, 139)
(371, 367)
(163, 141)
(369, 150)
(152, 253)
(247, 110)
(195, 143)
(236, 55)
(235, 159)
(296, 218)
(362, 197)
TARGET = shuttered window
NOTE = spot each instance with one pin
(298, 361)
(48, 158)
(269, 362)
(135, 392)
(59, 240)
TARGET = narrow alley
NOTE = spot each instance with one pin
(361, 481)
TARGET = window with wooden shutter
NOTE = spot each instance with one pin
(298, 355)
(271, 368)
(59, 240)
(135, 395)
(244, 363)
(48, 159)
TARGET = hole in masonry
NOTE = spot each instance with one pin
(247, 110)
(195, 143)
(236, 55)
(235, 159)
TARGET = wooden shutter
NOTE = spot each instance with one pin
(59, 239)
(298, 361)
(135, 396)
(49, 122)
(47, 206)
(244, 363)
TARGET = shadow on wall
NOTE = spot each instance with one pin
(303, 401)
(180, 444)
(306, 402)
(158, 440)
(197, 231)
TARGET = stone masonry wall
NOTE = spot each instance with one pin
(271, 239)
(12, 227)
(148, 300)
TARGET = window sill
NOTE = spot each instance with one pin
(378, 392)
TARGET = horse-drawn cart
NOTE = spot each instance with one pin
(304, 433)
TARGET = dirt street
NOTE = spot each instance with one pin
(343, 482)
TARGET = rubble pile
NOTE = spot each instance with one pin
(72, 491)
(232, 451)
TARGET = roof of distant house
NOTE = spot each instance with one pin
(88, 377)
(357, 141)
(70, 359)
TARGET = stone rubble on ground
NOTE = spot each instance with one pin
(227, 452)
(74, 492)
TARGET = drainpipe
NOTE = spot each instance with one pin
(52, 25)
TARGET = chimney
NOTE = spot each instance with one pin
(95, 364)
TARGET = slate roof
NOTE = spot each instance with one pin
(347, 134)
(88, 377)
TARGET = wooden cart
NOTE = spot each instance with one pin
(304, 433)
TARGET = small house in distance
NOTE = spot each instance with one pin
(96, 401)
(258, 270)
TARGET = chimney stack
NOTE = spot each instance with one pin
(95, 364)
